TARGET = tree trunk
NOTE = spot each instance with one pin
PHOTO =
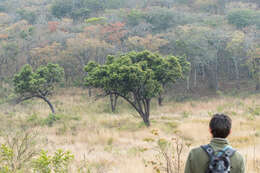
(142, 106)
(216, 76)
(146, 113)
(160, 99)
(203, 73)
(236, 72)
(89, 92)
(49, 103)
(257, 87)
(195, 77)
(113, 102)
(146, 120)
(188, 82)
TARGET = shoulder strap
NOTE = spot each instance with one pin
(208, 149)
(229, 151)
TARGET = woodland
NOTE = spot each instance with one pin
(220, 39)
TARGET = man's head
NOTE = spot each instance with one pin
(220, 125)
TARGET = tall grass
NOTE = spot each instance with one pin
(109, 143)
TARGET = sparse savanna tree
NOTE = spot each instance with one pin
(39, 84)
(134, 76)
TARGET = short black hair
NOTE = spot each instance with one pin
(220, 125)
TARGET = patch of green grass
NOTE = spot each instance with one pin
(124, 124)
(220, 108)
(134, 151)
(110, 141)
(167, 118)
(35, 120)
(255, 111)
(169, 127)
(148, 140)
(108, 148)
(185, 114)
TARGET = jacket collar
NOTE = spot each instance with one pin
(219, 141)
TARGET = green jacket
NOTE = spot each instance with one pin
(198, 159)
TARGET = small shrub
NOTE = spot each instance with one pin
(59, 162)
(34, 119)
(51, 119)
(185, 114)
(169, 153)
(17, 151)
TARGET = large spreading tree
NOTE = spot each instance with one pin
(134, 76)
(39, 84)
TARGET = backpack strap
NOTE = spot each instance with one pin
(229, 151)
(208, 149)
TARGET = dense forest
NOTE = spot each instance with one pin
(220, 38)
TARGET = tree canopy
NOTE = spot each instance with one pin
(137, 77)
(38, 84)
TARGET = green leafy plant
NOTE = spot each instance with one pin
(58, 162)
(17, 151)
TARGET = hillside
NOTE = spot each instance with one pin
(219, 38)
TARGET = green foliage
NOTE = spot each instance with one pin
(17, 150)
(164, 18)
(30, 16)
(96, 20)
(81, 13)
(61, 8)
(59, 162)
(6, 158)
(94, 5)
(160, 18)
(50, 119)
(114, 4)
(253, 64)
(9, 50)
(2, 8)
(41, 82)
(136, 76)
(134, 17)
(243, 17)
(124, 75)
(77, 9)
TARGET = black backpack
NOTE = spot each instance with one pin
(219, 162)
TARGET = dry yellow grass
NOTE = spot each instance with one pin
(118, 143)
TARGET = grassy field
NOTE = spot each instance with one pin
(103, 142)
